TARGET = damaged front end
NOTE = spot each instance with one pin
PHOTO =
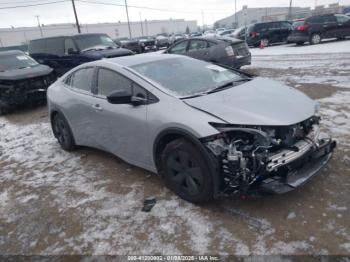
(274, 159)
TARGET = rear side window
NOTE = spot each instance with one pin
(109, 81)
(82, 79)
(37, 47)
(329, 19)
(55, 46)
(69, 46)
(262, 27)
(315, 20)
(197, 44)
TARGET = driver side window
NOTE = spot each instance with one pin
(109, 82)
(180, 48)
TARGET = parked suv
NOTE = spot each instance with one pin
(316, 28)
(220, 50)
(269, 33)
(66, 52)
(22, 80)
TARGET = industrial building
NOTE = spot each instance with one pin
(256, 15)
(18, 36)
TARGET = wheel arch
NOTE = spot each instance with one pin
(170, 134)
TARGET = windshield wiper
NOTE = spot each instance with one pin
(226, 85)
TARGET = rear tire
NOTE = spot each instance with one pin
(186, 171)
(315, 39)
(4, 108)
(266, 42)
(62, 132)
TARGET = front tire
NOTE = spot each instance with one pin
(300, 43)
(186, 171)
(62, 132)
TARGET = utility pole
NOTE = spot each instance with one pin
(202, 20)
(141, 24)
(236, 22)
(290, 10)
(39, 25)
(76, 17)
(127, 16)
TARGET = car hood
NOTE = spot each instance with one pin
(20, 74)
(109, 52)
(258, 102)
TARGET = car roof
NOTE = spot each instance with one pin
(218, 39)
(60, 36)
(11, 52)
(129, 61)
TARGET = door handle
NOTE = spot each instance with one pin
(97, 107)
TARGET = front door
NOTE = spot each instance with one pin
(121, 129)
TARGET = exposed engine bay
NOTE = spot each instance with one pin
(248, 155)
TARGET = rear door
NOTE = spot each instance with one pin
(55, 54)
(330, 26)
(80, 112)
(286, 29)
(274, 32)
(199, 49)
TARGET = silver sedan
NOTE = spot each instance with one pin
(208, 130)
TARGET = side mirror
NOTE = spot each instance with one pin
(71, 51)
(119, 97)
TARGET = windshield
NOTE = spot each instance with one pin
(19, 61)
(89, 42)
(186, 76)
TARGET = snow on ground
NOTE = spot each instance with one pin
(326, 47)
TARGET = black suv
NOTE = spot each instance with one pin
(316, 28)
(22, 80)
(269, 33)
(66, 52)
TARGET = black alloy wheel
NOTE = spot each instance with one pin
(63, 132)
(186, 171)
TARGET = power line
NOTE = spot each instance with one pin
(31, 5)
(22, 2)
(146, 7)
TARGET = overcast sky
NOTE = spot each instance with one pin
(94, 13)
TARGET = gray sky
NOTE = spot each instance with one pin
(93, 13)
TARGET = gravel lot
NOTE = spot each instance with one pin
(89, 202)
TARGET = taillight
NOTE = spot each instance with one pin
(253, 34)
(302, 27)
(229, 51)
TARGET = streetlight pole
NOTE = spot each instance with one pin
(202, 20)
(76, 17)
(127, 16)
(39, 25)
(141, 24)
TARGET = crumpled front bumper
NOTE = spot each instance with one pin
(301, 170)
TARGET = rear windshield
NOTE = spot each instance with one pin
(186, 76)
(297, 23)
(12, 62)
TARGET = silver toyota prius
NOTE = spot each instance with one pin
(209, 131)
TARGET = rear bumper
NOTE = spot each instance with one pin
(296, 38)
(301, 170)
(237, 61)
